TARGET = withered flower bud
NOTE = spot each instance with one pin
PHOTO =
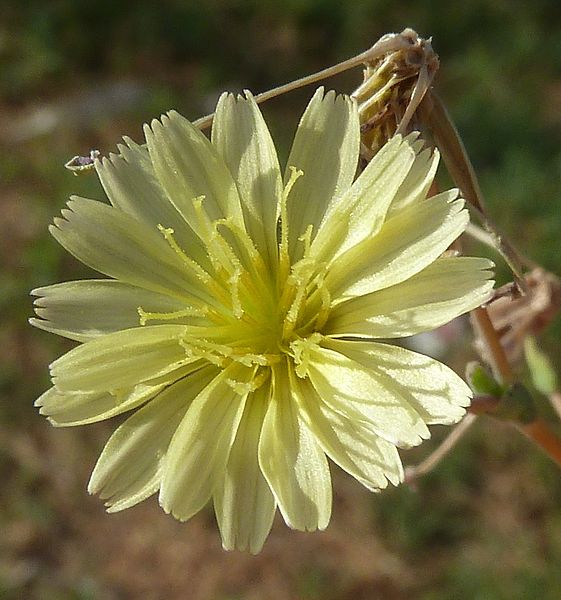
(393, 87)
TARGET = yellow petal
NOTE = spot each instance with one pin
(351, 389)
(243, 502)
(417, 183)
(436, 393)
(84, 310)
(198, 453)
(129, 468)
(116, 244)
(406, 244)
(326, 149)
(361, 211)
(121, 359)
(131, 185)
(356, 449)
(449, 287)
(80, 408)
(242, 138)
(293, 463)
(188, 166)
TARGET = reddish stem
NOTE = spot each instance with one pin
(540, 433)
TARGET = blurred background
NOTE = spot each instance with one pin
(77, 75)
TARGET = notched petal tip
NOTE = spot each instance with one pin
(40, 401)
(129, 147)
(166, 506)
(340, 101)
(39, 292)
(175, 117)
(66, 215)
(344, 101)
(320, 92)
(410, 138)
(152, 129)
(35, 322)
(57, 226)
(455, 196)
(112, 160)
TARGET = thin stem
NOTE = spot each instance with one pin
(540, 433)
(391, 43)
(480, 235)
(485, 237)
(497, 357)
(481, 405)
(434, 458)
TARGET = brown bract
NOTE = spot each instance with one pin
(514, 316)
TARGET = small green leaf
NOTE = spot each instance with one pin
(482, 382)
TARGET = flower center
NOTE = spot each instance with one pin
(248, 312)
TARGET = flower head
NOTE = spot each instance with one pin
(241, 318)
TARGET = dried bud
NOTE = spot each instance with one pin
(392, 90)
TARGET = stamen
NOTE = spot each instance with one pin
(295, 174)
(246, 387)
(222, 256)
(302, 271)
(243, 237)
(196, 344)
(284, 258)
(240, 387)
(253, 258)
(234, 282)
(318, 303)
(306, 238)
(210, 283)
(163, 316)
(194, 266)
(323, 313)
(300, 351)
(249, 359)
(217, 354)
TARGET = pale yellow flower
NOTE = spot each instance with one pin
(242, 315)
